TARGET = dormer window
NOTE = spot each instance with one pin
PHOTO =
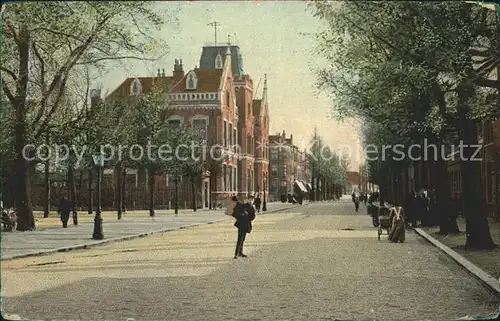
(191, 80)
(135, 87)
(218, 62)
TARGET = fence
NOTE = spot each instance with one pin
(135, 198)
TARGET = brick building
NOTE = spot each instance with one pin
(287, 164)
(489, 138)
(217, 100)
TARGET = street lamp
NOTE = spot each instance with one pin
(264, 203)
(99, 162)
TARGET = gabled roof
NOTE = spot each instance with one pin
(147, 84)
(208, 81)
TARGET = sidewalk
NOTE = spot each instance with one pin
(58, 239)
(486, 260)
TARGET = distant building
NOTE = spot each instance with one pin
(287, 164)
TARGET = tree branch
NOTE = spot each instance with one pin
(9, 72)
(7, 92)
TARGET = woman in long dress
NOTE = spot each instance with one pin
(397, 217)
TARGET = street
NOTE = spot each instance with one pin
(318, 261)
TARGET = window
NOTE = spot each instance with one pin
(224, 134)
(218, 62)
(274, 154)
(174, 122)
(200, 128)
(285, 167)
(231, 135)
(191, 81)
(135, 87)
(274, 186)
(227, 98)
(274, 170)
(170, 181)
(235, 139)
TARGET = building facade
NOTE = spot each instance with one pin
(217, 100)
(287, 164)
(489, 139)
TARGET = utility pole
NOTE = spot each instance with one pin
(214, 24)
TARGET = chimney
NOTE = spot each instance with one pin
(291, 138)
(178, 69)
(159, 73)
(163, 72)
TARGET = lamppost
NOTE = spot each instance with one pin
(99, 162)
(264, 203)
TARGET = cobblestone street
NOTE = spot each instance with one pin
(320, 261)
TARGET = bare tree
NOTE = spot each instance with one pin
(45, 44)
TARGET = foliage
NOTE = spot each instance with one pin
(325, 163)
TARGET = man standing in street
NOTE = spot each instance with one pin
(244, 214)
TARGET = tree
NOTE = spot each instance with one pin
(326, 168)
(44, 43)
(404, 67)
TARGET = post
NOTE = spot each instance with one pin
(264, 204)
(98, 234)
(1, 158)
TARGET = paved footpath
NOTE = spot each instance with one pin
(316, 262)
(51, 239)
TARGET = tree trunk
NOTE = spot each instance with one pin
(124, 189)
(474, 203)
(151, 184)
(176, 196)
(25, 221)
(72, 192)
(90, 202)
(382, 190)
(46, 201)
(193, 191)
(80, 186)
(119, 190)
(312, 196)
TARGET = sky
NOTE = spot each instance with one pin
(275, 38)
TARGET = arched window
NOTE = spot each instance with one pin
(192, 80)
(135, 87)
(218, 62)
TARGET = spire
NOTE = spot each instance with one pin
(264, 97)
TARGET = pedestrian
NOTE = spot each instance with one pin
(355, 199)
(244, 214)
(397, 217)
(257, 202)
(65, 208)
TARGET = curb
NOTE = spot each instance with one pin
(119, 239)
(487, 280)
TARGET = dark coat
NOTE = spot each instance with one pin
(244, 214)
